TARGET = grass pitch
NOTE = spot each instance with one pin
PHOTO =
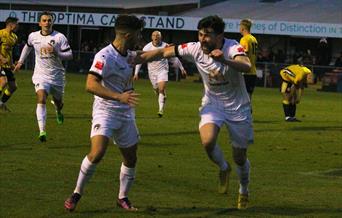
(296, 167)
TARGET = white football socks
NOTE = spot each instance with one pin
(243, 173)
(218, 158)
(127, 176)
(86, 171)
(161, 101)
(41, 116)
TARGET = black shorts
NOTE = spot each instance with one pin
(250, 82)
(7, 73)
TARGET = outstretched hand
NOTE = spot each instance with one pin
(135, 77)
(17, 67)
(184, 73)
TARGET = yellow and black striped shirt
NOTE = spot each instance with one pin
(7, 42)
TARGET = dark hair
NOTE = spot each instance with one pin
(11, 20)
(129, 22)
(215, 22)
(47, 13)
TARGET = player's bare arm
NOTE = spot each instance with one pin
(94, 86)
(157, 54)
(239, 63)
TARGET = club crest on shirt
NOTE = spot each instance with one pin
(97, 126)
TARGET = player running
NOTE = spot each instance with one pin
(8, 39)
(158, 70)
(220, 62)
(51, 47)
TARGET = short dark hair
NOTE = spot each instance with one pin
(128, 22)
(11, 20)
(215, 22)
(47, 13)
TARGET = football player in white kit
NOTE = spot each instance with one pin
(157, 70)
(110, 80)
(220, 62)
(51, 47)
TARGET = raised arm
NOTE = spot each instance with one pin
(157, 54)
(239, 63)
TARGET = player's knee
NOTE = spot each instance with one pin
(208, 145)
(95, 157)
(239, 158)
(130, 161)
(13, 88)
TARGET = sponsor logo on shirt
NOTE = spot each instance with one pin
(99, 65)
(240, 49)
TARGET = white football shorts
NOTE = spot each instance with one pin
(55, 90)
(239, 124)
(123, 132)
(156, 78)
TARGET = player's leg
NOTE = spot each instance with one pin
(161, 97)
(286, 93)
(57, 101)
(127, 176)
(295, 99)
(3, 83)
(99, 145)
(209, 128)
(243, 171)
(250, 84)
(241, 134)
(127, 137)
(11, 88)
(41, 113)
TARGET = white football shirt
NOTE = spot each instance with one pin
(155, 67)
(48, 67)
(116, 75)
(229, 90)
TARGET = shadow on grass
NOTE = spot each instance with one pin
(253, 211)
(151, 211)
(16, 147)
(316, 128)
(171, 133)
(266, 121)
(72, 117)
(293, 211)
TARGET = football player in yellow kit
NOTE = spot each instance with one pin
(294, 77)
(7, 41)
(250, 45)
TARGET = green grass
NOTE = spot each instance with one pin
(296, 167)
